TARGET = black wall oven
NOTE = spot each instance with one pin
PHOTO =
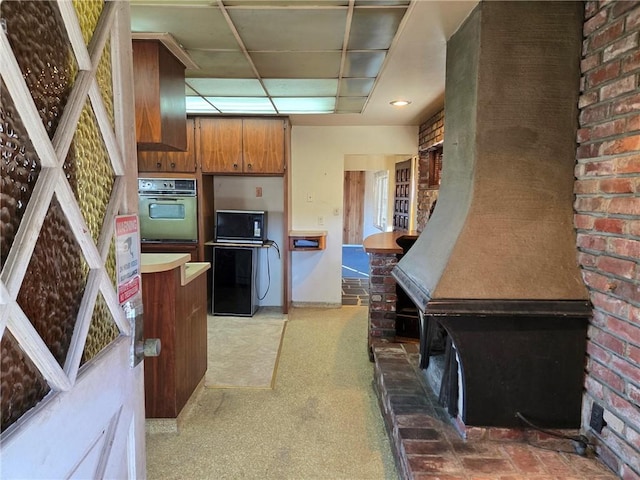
(168, 210)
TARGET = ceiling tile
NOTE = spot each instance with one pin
(219, 65)
(363, 64)
(295, 87)
(374, 28)
(350, 104)
(227, 87)
(356, 87)
(298, 64)
(192, 26)
(290, 30)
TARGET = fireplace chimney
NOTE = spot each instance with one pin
(496, 265)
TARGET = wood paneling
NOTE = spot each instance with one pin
(177, 315)
(219, 145)
(171, 162)
(159, 95)
(353, 208)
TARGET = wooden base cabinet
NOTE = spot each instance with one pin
(177, 315)
(241, 145)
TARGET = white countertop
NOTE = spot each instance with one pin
(162, 262)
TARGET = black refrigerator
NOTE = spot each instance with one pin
(234, 274)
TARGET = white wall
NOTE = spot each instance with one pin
(240, 193)
(317, 168)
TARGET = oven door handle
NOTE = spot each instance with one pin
(164, 199)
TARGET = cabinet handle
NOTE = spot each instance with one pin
(173, 164)
(249, 166)
(158, 165)
(235, 166)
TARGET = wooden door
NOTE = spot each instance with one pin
(353, 208)
(72, 404)
(171, 162)
(263, 145)
(219, 145)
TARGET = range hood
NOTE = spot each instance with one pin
(495, 271)
(503, 224)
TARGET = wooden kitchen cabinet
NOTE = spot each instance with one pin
(175, 311)
(159, 94)
(241, 145)
(171, 162)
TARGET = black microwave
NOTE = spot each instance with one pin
(241, 226)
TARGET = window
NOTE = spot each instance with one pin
(381, 199)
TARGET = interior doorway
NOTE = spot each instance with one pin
(355, 261)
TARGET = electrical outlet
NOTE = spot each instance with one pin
(336, 211)
(258, 191)
(597, 422)
(320, 220)
(309, 197)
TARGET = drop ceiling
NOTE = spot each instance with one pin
(320, 62)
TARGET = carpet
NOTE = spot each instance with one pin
(243, 352)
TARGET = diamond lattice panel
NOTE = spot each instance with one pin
(54, 283)
(21, 383)
(102, 330)
(94, 173)
(88, 12)
(19, 168)
(41, 47)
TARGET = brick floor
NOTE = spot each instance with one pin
(355, 291)
(427, 446)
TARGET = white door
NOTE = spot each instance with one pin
(72, 404)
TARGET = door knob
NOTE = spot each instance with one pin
(148, 348)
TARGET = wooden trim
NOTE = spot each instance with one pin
(171, 44)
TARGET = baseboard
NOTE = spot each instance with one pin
(315, 305)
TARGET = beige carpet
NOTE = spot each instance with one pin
(321, 421)
(243, 351)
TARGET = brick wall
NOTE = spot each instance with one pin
(382, 297)
(608, 224)
(430, 133)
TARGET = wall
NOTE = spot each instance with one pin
(608, 222)
(239, 193)
(317, 167)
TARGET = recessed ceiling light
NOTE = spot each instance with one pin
(400, 103)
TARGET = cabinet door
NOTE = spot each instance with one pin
(263, 146)
(170, 161)
(219, 145)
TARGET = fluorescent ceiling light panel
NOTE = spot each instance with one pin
(243, 104)
(305, 105)
(227, 87)
(199, 105)
(286, 87)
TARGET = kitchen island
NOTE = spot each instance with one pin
(174, 294)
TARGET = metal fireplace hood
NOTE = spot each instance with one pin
(503, 224)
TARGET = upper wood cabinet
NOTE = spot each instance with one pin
(160, 100)
(171, 161)
(241, 145)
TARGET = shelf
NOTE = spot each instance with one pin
(307, 240)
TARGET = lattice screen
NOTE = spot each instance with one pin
(61, 174)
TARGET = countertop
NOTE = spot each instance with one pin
(385, 242)
(162, 262)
